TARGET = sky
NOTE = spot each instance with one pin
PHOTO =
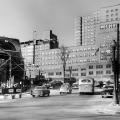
(19, 18)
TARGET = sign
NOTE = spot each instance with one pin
(18, 90)
(0, 90)
(10, 90)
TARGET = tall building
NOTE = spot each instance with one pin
(30, 51)
(84, 61)
(78, 30)
(92, 26)
(94, 35)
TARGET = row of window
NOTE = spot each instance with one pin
(71, 50)
(112, 10)
(112, 19)
(82, 74)
(97, 72)
(99, 66)
(70, 56)
(68, 62)
(111, 15)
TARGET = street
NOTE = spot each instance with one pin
(65, 107)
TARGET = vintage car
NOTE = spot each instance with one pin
(65, 88)
(40, 91)
(108, 91)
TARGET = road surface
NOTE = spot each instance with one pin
(66, 107)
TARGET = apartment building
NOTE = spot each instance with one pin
(94, 35)
(30, 51)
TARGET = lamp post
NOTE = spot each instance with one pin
(115, 65)
(117, 68)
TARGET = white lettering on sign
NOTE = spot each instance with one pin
(18, 90)
(11, 90)
(0, 90)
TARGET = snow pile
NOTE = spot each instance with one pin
(111, 108)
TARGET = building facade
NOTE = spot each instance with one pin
(94, 35)
(30, 51)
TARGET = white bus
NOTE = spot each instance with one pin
(86, 86)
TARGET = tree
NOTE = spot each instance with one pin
(64, 55)
(40, 80)
(70, 81)
(56, 83)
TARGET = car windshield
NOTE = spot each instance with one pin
(109, 87)
(38, 87)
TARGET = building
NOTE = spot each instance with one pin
(30, 51)
(94, 35)
(88, 29)
(99, 29)
(27, 49)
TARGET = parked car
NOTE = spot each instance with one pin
(40, 91)
(65, 88)
(107, 91)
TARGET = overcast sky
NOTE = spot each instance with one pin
(19, 18)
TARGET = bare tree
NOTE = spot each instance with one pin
(64, 55)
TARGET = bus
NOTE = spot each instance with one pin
(86, 86)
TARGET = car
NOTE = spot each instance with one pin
(40, 91)
(108, 91)
(65, 89)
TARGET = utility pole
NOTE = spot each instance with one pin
(70, 70)
(116, 67)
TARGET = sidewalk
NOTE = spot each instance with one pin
(11, 97)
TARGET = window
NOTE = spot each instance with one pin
(108, 72)
(90, 72)
(99, 66)
(58, 73)
(116, 19)
(75, 69)
(112, 10)
(51, 73)
(91, 67)
(99, 72)
(108, 66)
(83, 74)
(75, 74)
(107, 11)
(107, 15)
(116, 14)
(112, 19)
(83, 69)
(112, 15)
(86, 81)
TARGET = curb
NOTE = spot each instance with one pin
(14, 96)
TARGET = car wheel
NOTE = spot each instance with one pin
(33, 96)
(48, 94)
